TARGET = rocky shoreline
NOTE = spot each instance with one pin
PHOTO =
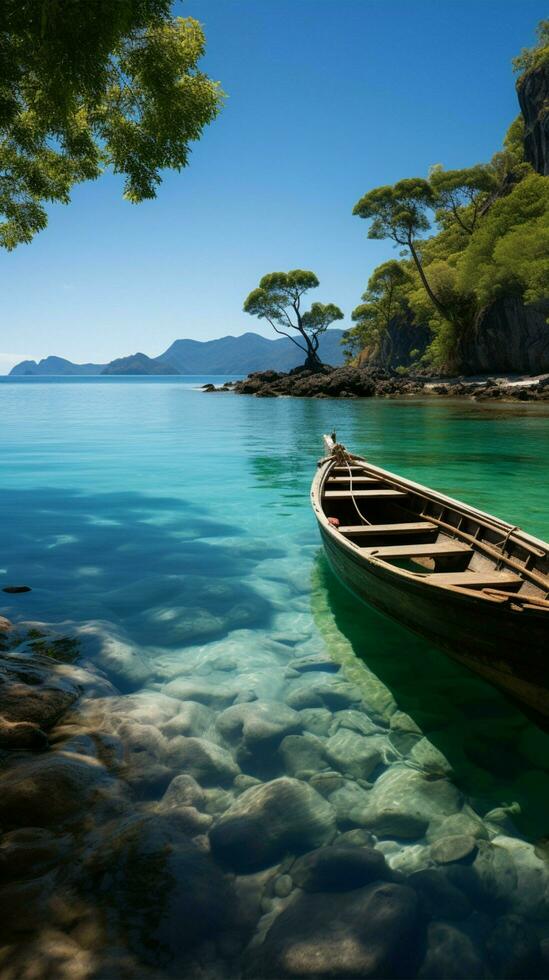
(261, 810)
(360, 382)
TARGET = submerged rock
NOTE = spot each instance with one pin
(302, 753)
(205, 761)
(32, 692)
(159, 886)
(322, 693)
(353, 753)
(52, 790)
(403, 802)
(451, 955)
(458, 847)
(441, 898)
(269, 820)
(369, 932)
(513, 949)
(339, 869)
(183, 791)
(256, 722)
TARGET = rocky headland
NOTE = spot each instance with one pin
(261, 810)
(367, 382)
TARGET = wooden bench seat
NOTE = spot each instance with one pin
(347, 479)
(373, 530)
(436, 550)
(475, 580)
(347, 495)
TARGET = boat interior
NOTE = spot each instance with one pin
(418, 531)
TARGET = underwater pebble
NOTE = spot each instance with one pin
(429, 758)
(327, 782)
(446, 850)
(183, 791)
(205, 761)
(283, 886)
(316, 720)
(302, 753)
(353, 754)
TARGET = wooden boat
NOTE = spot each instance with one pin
(471, 584)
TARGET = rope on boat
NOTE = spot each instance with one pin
(341, 457)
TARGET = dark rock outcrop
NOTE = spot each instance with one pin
(533, 96)
(509, 337)
(365, 382)
(401, 345)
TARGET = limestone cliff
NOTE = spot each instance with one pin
(402, 344)
(533, 96)
(510, 337)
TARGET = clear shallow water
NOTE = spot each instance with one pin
(175, 517)
(171, 529)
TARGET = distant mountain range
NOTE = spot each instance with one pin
(228, 355)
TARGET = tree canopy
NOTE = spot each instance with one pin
(383, 300)
(493, 241)
(89, 85)
(460, 194)
(278, 298)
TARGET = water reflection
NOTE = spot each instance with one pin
(497, 754)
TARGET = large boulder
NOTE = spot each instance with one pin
(403, 802)
(370, 932)
(339, 869)
(157, 885)
(52, 790)
(269, 820)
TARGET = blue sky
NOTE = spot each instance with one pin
(326, 99)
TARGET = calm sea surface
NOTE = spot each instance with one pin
(175, 517)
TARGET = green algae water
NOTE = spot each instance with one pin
(173, 528)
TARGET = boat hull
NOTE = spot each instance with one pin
(489, 640)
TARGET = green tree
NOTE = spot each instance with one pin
(400, 212)
(383, 300)
(278, 299)
(86, 84)
(510, 251)
(461, 194)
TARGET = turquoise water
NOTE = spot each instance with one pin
(169, 532)
(173, 518)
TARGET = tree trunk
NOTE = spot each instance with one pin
(313, 362)
(436, 303)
